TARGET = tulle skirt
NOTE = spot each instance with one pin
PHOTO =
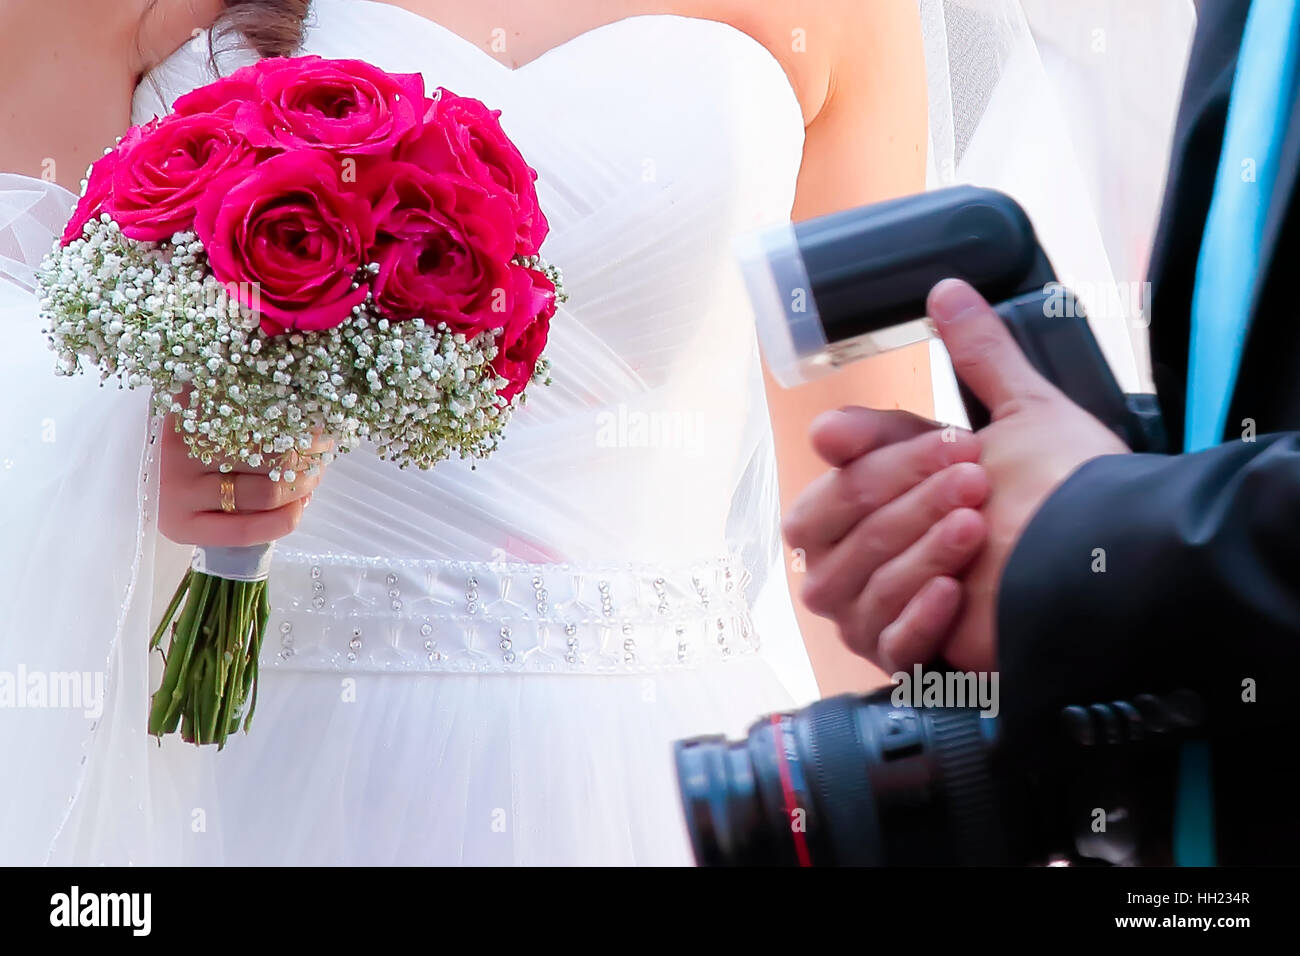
(443, 769)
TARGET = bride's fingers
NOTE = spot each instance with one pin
(846, 434)
(299, 459)
(218, 530)
(253, 492)
(320, 443)
(178, 461)
(845, 571)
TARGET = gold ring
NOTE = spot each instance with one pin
(228, 493)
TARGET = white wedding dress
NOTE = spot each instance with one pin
(471, 665)
(489, 665)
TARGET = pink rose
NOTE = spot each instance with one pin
(160, 177)
(462, 134)
(221, 96)
(444, 245)
(521, 344)
(99, 182)
(289, 230)
(347, 106)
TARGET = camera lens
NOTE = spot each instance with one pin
(848, 781)
(746, 801)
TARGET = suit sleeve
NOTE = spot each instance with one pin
(1147, 573)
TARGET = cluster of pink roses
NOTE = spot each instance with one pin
(295, 173)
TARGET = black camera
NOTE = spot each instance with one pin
(868, 781)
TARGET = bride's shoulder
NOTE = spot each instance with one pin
(820, 41)
(25, 23)
(858, 68)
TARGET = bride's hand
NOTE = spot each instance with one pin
(189, 508)
(887, 533)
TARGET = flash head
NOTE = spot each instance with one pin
(832, 290)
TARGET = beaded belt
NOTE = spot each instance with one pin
(349, 613)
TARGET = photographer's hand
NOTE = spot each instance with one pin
(1037, 438)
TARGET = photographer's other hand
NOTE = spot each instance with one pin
(887, 530)
(1036, 439)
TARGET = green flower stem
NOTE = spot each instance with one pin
(236, 660)
(220, 632)
(200, 691)
(210, 677)
(263, 615)
(171, 609)
(168, 699)
(230, 658)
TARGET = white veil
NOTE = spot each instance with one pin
(1069, 108)
(79, 562)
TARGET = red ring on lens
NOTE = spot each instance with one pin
(788, 791)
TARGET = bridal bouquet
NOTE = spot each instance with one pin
(305, 247)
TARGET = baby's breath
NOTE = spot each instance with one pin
(152, 315)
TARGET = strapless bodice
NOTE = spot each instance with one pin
(657, 140)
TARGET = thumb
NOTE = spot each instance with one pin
(984, 355)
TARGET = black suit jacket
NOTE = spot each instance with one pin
(1201, 586)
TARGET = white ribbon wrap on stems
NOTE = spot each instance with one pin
(252, 563)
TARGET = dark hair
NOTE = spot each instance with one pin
(271, 27)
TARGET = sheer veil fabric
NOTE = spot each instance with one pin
(466, 666)
(1069, 108)
(80, 556)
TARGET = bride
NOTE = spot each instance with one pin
(464, 666)
(484, 665)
